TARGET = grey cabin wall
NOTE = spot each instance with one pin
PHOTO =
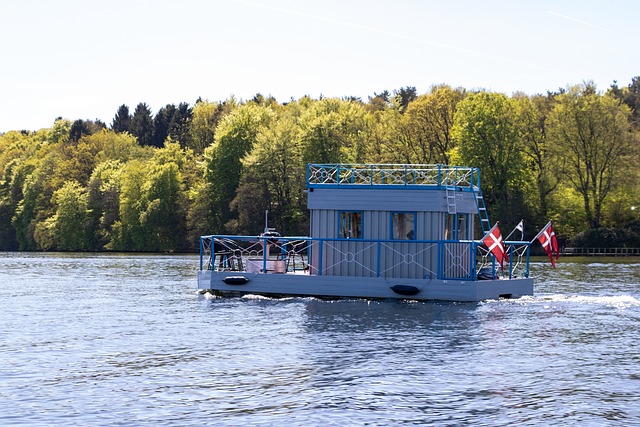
(400, 258)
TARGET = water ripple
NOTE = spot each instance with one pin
(124, 340)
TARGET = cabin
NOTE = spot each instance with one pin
(387, 220)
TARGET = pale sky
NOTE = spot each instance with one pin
(82, 59)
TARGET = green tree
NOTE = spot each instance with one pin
(14, 152)
(33, 188)
(201, 215)
(79, 128)
(488, 137)
(76, 161)
(541, 158)
(274, 180)
(103, 203)
(128, 232)
(67, 228)
(163, 215)
(630, 95)
(162, 123)
(108, 145)
(403, 97)
(122, 120)
(163, 211)
(142, 124)
(205, 119)
(592, 135)
(235, 137)
(379, 101)
(34, 207)
(382, 140)
(333, 131)
(180, 126)
(60, 132)
(425, 128)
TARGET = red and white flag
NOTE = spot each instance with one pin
(549, 241)
(493, 240)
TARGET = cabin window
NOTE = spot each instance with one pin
(463, 233)
(350, 225)
(456, 227)
(403, 226)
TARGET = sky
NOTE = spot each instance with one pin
(82, 59)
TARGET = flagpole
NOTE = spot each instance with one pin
(541, 232)
(490, 230)
(513, 231)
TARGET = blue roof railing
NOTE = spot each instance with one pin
(438, 176)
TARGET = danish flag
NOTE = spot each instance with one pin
(493, 240)
(549, 241)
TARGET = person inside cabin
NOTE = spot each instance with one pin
(403, 226)
(350, 225)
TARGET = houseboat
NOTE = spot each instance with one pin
(376, 231)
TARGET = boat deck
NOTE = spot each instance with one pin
(416, 259)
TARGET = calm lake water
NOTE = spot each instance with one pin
(125, 340)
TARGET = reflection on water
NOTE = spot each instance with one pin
(126, 340)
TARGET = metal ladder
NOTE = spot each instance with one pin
(483, 215)
(452, 208)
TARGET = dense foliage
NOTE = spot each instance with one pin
(155, 183)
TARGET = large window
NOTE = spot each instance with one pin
(403, 226)
(350, 225)
(463, 229)
(457, 227)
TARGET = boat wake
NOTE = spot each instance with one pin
(255, 297)
(617, 301)
(209, 295)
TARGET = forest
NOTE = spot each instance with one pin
(156, 182)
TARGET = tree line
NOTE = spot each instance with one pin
(156, 182)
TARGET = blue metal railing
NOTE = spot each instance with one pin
(441, 259)
(392, 174)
